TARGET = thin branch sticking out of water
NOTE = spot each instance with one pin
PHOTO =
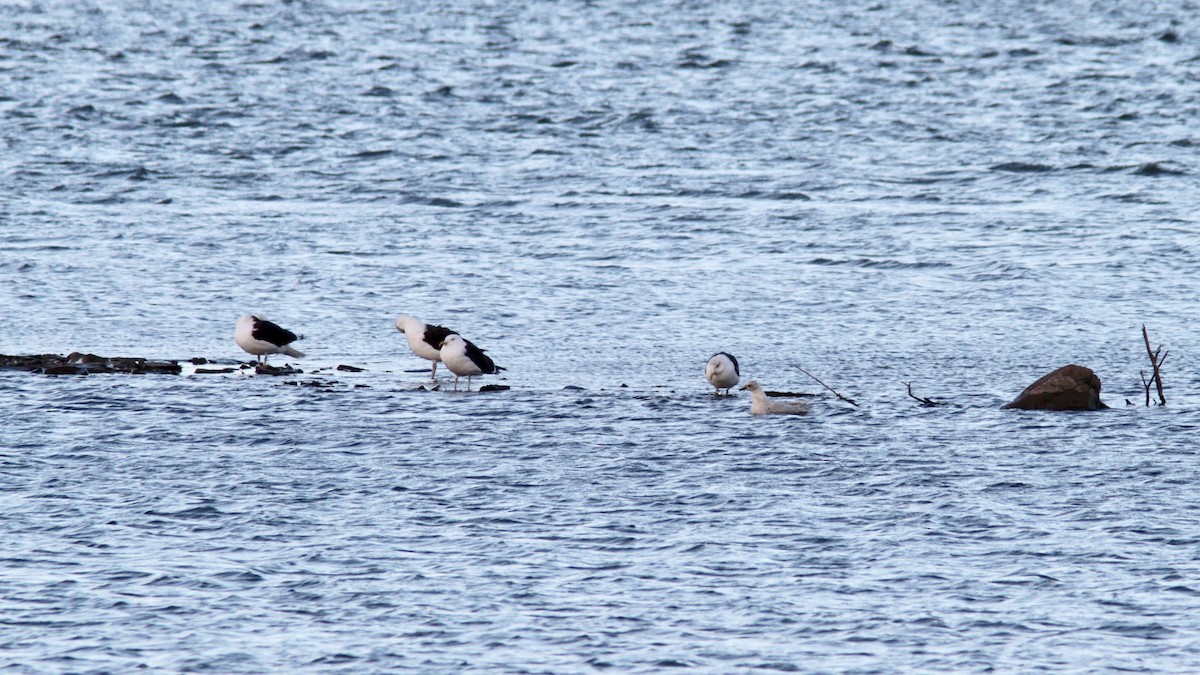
(925, 402)
(1156, 364)
(835, 393)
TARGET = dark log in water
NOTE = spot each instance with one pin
(77, 363)
(268, 369)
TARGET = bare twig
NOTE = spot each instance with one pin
(1162, 400)
(1146, 384)
(1155, 362)
(835, 393)
(927, 402)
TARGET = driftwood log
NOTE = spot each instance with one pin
(77, 363)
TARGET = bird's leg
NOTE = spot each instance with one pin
(468, 383)
(455, 383)
(433, 375)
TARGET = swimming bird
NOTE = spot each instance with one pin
(722, 371)
(760, 404)
(261, 338)
(424, 339)
(462, 357)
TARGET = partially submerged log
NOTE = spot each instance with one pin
(77, 363)
(1071, 387)
(268, 369)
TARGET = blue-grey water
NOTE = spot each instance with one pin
(959, 195)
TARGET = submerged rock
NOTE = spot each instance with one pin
(1071, 387)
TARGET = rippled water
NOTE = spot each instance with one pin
(963, 196)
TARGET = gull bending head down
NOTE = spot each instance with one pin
(425, 340)
(722, 372)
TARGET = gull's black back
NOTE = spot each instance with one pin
(482, 360)
(435, 334)
(271, 332)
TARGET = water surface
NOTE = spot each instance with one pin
(963, 197)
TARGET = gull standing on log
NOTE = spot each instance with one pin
(760, 404)
(722, 372)
(424, 339)
(261, 338)
(462, 357)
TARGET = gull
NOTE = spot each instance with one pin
(261, 338)
(722, 371)
(760, 404)
(462, 357)
(424, 339)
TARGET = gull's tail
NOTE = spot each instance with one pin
(294, 353)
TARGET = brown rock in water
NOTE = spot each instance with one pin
(1071, 387)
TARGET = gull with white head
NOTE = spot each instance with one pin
(722, 372)
(462, 357)
(761, 404)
